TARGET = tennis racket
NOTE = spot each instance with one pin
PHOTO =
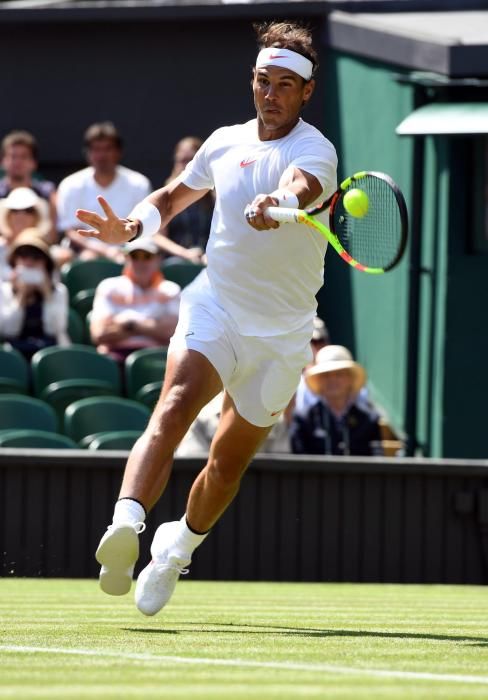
(371, 243)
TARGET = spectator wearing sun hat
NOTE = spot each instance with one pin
(21, 209)
(337, 423)
(137, 309)
(33, 304)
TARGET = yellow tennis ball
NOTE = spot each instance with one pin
(356, 202)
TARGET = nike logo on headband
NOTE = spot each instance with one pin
(278, 55)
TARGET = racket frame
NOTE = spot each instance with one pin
(306, 216)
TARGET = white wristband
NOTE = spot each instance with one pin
(149, 217)
(286, 198)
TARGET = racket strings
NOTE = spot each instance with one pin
(375, 239)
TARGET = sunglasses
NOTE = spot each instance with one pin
(141, 255)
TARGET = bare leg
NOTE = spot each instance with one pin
(234, 445)
(190, 382)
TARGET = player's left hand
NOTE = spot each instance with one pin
(255, 212)
(111, 229)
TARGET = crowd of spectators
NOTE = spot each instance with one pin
(331, 413)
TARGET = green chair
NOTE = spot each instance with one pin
(86, 419)
(181, 272)
(87, 274)
(35, 438)
(76, 327)
(144, 373)
(115, 440)
(19, 412)
(14, 371)
(82, 278)
(62, 375)
(82, 302)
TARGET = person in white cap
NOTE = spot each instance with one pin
(336, 424)
(138, 309)
(245, 322)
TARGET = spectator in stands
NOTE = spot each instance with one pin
(139, 308)
(320, 336)
(33, 306)
(198, 439)
(21, 209)
(188, 230)
(19, 161)
(103, 176)
(337, 424)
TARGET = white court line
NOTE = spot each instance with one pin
(239, 663)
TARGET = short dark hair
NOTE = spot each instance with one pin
(287, 35)
(20, 138)
(102, 130)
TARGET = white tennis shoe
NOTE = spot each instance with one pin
(156, 583)
(118, 552)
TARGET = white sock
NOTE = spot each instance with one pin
(128, 512)
(186, 541)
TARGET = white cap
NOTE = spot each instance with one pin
(142, 243)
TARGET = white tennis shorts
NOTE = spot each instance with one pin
(261, 374)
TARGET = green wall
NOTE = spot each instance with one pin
(464, 428)
(369, 313)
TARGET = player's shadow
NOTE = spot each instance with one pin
(229, 628)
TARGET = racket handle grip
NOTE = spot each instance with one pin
(283, 215)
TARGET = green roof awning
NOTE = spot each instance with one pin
(447, 119)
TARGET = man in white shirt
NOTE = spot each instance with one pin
(104, 176)
(139, 308)
(245, 323)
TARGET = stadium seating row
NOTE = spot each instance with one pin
(61, 375)
(101, 422)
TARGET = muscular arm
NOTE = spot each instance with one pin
(304, 185)
(170, 200)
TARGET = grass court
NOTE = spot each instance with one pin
(65, 639)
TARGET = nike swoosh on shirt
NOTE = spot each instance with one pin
(245, 163)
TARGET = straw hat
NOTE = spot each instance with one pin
(25, 198)
(30, 238)
(330, 359)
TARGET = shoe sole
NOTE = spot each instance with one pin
(117, 555)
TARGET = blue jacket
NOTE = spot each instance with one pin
(319, 431)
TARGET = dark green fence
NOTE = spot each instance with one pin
(411, 521)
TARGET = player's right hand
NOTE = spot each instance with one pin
(111, 229)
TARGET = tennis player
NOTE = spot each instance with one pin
(245, 323)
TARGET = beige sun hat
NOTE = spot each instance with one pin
(330, 359)
(30, 238)
(25, 198)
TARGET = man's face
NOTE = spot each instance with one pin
(143, 265)
(103, 155)
(279, 95)
(18, 162)
(337, 385)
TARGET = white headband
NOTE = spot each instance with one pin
(284, 58)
